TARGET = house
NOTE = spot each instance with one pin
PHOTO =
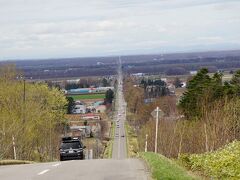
(91, 116)
(79, 109)
(100, 109)
(97, 103)
(73, 81)
(138, 74)
(171, 88)
(193, 72)
(164, 79)
(80, 131)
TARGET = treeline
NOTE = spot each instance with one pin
(60, 71)
(154, 88)
(88, 82)
(183, 66)
(31, 118)
(206, 118)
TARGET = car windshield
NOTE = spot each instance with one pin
(73, 145)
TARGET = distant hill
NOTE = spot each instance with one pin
(102, 66)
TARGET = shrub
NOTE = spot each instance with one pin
(222, 164)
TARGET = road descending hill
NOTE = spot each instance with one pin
(104, 169)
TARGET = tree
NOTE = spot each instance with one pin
(154, 88)
(176, 71)
(177, 83)
(70, 105)
(105, 82)
(200, 87)
(235, 83)
(109, 96)
(34, 121)
(69, 86)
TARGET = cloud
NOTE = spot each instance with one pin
(53, 28)
(210, 39)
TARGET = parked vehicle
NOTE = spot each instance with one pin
(71, 148)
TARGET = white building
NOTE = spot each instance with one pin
(193, 72)
(79, 109)
(73, 81)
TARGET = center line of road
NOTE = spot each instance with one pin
(43, 172)
(119, 143)
(55, 165)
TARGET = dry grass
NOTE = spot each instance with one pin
(14, 162)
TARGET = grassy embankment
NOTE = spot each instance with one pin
(160, 166)
(108, 150)
(164, 168)
(87, 96)
(14, 162)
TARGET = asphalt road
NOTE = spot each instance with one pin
(99, 169)
(119, 145)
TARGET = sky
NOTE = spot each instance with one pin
(36, 29)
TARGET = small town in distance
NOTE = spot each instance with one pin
(119, 90)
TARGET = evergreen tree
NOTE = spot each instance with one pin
(70, 105)
(109, 96)
(177, 82)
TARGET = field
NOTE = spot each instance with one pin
(87, 96)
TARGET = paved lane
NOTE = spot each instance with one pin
(119, 145)
(105, 169)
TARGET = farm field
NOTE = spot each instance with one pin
(87, 96)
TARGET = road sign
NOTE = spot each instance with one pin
(160, 113)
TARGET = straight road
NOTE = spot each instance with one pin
(119, 144)
(99, 169)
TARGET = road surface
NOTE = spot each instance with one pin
(119, 144)
(99, 169)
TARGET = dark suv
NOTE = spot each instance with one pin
(71, 148)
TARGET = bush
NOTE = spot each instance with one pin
(221, 164)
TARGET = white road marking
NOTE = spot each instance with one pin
(43, 172)
(119, 149)
(55, 165)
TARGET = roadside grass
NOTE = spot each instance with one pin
(163, 168)
(108, 150)
(87, 96)
(14, 162)
(132, 142)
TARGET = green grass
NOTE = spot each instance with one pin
(163, 168)
(108, 151)
(13, 162)
(87, 96)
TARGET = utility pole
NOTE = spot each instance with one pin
(156, 135)
(156, 115)
(146, 143)
(24, 100)
(14, 148)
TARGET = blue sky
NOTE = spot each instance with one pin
(72, 28)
